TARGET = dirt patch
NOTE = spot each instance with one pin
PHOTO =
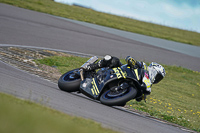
(23, 58)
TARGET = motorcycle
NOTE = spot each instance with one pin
(110, 86)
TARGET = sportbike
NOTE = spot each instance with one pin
(111, 86)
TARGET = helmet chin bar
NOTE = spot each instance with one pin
(107, 57)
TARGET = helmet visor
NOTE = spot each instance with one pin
(158, 78)
(152, 74)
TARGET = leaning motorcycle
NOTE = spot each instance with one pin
(111, 86)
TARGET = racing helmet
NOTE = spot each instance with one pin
(156, 72)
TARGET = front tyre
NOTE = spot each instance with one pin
(117, 100)
(70, 81)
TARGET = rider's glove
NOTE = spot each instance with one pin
(130, 61)
(133, 63)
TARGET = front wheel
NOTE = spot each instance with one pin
(110, 99)
(70, 81)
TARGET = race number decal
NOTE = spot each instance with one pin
(118, 71)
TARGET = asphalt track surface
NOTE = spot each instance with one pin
(28, 28)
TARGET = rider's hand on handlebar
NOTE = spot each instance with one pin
(132, 62)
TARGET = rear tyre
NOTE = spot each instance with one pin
(70, 81)
(120, 99)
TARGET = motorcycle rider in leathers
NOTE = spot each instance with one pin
(152, 74)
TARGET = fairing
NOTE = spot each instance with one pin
(93, 87)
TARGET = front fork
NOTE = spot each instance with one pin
(81, 74)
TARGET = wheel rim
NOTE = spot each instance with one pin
(116, 93)
(112, 95)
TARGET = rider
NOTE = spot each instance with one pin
(153, 74)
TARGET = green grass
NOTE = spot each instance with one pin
(64, 64)
(176, 98)
(91, 16)
(21, 116)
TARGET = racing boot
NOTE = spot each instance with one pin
(92, 67)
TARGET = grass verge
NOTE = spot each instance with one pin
(175, 98)
(122, 23)
(21, 116)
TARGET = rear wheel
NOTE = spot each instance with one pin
(118, 98)
(70, 81)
